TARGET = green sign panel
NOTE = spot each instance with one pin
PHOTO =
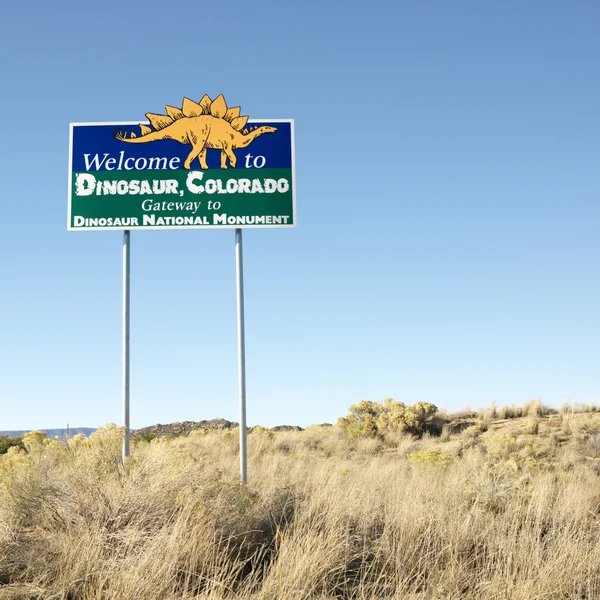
(201, 166)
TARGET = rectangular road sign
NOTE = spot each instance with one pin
(133, 176)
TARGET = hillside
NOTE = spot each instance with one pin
(179, 429)
(183, 428)
(491, 508)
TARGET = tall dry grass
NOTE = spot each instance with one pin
(488, 515)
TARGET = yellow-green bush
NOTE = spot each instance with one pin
(368, 418)
(362, 419)
(430, 457)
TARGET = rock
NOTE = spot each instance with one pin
(286, 428)
(184, 428)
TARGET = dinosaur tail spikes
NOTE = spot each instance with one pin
(153, 136)
(218, 107)
(245, 132)
(124, 136)
(145, 130)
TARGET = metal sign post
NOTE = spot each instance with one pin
(239, 272)
(126, 254)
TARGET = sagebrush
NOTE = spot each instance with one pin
(497, 514)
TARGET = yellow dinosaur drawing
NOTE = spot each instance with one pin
(206, 124)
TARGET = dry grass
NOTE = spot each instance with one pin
(505, 513)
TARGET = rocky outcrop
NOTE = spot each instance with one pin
(286, 428)
(184, 428)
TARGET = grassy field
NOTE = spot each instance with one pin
(501, 508)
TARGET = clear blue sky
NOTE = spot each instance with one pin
(447, 187)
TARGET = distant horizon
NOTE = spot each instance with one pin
(466, 408)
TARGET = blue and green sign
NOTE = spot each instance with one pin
(199, 166)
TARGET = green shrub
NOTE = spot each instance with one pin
(143, 437)
(8, 442)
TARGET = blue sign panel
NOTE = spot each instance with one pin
(201, 166)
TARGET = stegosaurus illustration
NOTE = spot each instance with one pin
(206, 124)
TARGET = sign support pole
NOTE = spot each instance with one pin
(126, 254)
(239, 272)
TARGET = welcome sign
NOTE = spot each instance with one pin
(199, 166)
